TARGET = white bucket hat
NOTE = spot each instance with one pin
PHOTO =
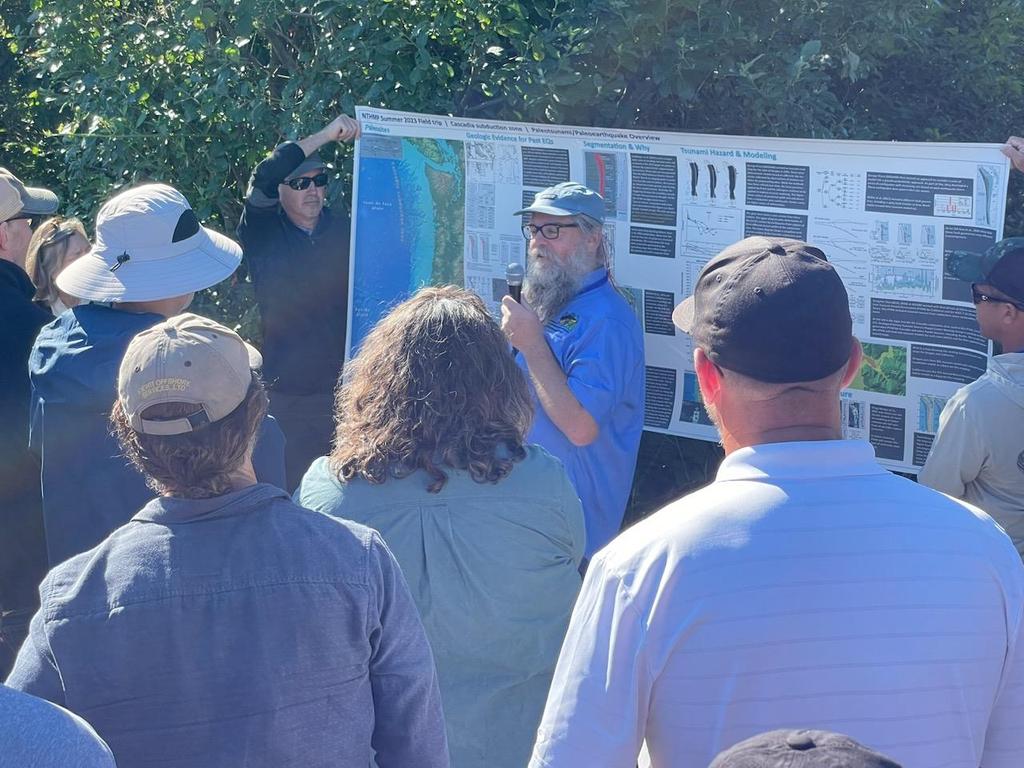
(149, 246)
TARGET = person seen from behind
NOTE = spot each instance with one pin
(430, 450)
(806, 585)
(801, 749)
(150, 257)
(224, 625)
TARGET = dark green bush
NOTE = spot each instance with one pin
(104, 93)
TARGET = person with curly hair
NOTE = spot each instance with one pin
(430, 450)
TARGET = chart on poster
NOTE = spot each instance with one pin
(434, 196)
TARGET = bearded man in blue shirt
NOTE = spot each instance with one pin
(581, 346)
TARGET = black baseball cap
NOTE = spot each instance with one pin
(1001, 266)
(772, 309)
(801, 749)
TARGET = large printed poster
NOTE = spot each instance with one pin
(434, 200)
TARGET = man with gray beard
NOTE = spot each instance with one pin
(581, 346)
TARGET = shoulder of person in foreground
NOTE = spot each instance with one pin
(539, 475)
(320, 489)
(350, 544)
(34, 732)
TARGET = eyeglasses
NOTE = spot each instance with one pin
(984, 298)
(550, 231)
(303, 182)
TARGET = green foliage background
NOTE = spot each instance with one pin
(99, 94)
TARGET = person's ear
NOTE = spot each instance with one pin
(853, 364)
(709, 377)
(3, 235)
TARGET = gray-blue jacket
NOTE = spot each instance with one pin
(242, 630)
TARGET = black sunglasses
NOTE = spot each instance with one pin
(303, 182)
(985, 298)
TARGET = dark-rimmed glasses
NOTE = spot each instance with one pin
(550, 231)
(303, 182)
(980, 297)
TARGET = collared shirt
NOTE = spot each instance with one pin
(599, 345)
(494, 571)
(238, 630)
(805, 588)
(978, 453)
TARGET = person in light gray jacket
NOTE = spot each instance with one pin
(978, 453)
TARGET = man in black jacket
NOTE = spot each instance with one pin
(22, 543)
(297, 252)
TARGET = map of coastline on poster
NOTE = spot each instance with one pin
(434, 199)
(411, 213)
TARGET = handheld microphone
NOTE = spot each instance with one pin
(514, 277)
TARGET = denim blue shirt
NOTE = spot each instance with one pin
(599, 345)
(241, 630)
(38, 734)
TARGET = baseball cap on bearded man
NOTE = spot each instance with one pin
(772, 309)
(567, 199)
(149, 246)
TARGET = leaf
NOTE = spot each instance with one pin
(810, 49)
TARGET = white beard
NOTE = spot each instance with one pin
(549, 286)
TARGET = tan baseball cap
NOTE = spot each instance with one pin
(35, 201)
(10, 200)
(185, 359)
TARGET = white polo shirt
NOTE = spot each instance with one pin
(805, 588)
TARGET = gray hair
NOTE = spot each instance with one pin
(588, 226)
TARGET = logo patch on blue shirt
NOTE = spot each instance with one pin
(568, 321)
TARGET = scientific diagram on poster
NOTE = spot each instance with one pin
(434, 199)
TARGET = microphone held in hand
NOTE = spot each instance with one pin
(514, 277)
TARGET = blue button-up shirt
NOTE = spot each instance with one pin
(598, 343)
(238, 630)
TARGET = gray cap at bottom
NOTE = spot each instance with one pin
(801, 749)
